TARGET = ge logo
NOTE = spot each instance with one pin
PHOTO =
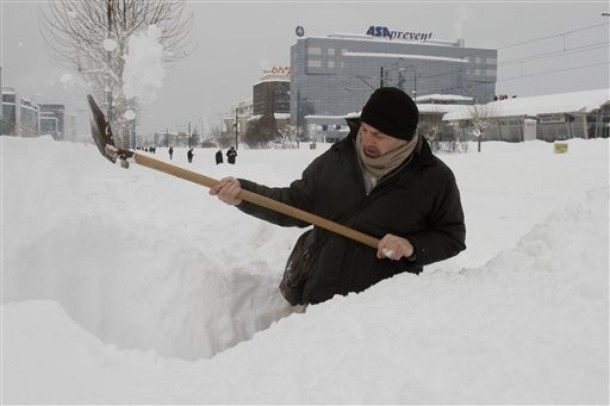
(300, 31)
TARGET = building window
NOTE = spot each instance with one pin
(314, 51)
(477, 60)
(491, 72)
(331, 64)
(331, 51)
(312, 63)
(477, 72)
(491, 61)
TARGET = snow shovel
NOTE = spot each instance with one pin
(102, 135)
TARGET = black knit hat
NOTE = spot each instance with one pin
(391, 111)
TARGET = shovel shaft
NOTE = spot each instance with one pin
(259, 200)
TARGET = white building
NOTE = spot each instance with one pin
(583, 114)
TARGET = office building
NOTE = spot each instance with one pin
(334, 75)
(271, 95)
(48, 112)
(19, 115)
(272, 92)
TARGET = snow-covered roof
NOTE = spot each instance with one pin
(423, 108)
(443, 97)
(273, 78)
(278, 116)
(583, 101)
(441, 108)
(405, 56)
(324, 117)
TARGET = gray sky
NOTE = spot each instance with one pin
(236, 40)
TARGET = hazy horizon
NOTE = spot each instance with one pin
(543, 48)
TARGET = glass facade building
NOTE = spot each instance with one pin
(335, 75)
(271, 95)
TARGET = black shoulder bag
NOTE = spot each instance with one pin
(297, 268)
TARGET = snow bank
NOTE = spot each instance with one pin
(146, 275)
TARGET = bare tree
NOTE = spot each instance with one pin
(440, 136)
(483, 117)
(431, 127)
(264, 130)
(92, 37)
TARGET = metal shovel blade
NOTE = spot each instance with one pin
(100, 129)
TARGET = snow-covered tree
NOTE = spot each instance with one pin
(92, 37)
(440, 136)
(262, 131)
(482, 116)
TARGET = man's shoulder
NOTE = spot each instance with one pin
(345, 144)
(431, 163)
(439, 171)
(333, 157)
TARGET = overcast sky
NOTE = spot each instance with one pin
(236, 40)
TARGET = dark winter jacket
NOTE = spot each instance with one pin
(231, 155)
(419, 201)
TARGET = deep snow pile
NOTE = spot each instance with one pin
(106, 273)
(95, 237)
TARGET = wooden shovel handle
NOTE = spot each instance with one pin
(259, 200)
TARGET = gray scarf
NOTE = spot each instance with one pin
(375, 168)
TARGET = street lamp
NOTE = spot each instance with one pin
(414, 91)
(236, 129)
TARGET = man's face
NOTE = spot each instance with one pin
(375, 143)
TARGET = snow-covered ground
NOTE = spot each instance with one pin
(131, 286)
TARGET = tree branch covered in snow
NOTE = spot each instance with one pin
(93, 38)
(483, 117)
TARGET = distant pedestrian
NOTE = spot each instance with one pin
(219, 157)
(171, 152)
(189, 155)
(231, 155)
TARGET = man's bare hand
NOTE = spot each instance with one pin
(394, 248)
(227, 191)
